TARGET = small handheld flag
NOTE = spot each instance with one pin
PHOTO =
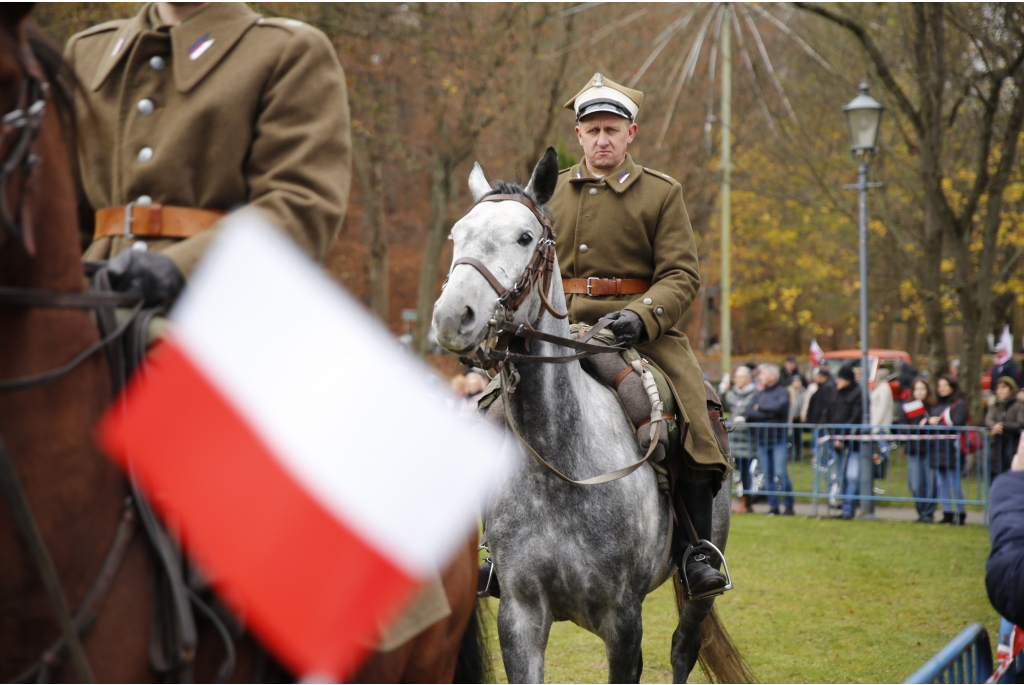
(914, 410)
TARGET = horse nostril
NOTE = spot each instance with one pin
(467, 320)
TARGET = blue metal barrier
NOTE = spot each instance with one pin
(830, 464)
(966, 659)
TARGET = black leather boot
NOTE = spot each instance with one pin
(947, 517)
(961, 518)
(700, 570)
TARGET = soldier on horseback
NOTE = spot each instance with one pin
(626, 252)
(189, 110)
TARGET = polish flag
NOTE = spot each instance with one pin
(308, 464)
(914, 409)
(817, 354)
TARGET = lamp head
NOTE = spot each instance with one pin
(864, 118)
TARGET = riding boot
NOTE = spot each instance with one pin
(701, 570)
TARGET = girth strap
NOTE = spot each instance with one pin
(30, 297)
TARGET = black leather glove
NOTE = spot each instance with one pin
(627, 327)
(150, 274)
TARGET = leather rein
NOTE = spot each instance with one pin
(19, 130)
(493, 353)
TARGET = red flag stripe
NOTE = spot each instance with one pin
(317, 632)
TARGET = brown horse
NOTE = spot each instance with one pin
(80, 501)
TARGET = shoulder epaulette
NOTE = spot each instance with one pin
(658, 174)
(103, 28)
(281, 23)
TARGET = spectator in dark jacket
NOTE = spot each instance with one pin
(920, 475)
(846, 409)
(1003, 418)
(950, 410)
(770, 404)
(790, 369)
(1006, 367)
(820, 401)
(1004, 572)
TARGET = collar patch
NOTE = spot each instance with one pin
(199, 47)
(117, 48)
(623, 176)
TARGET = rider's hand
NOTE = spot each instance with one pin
(627, 327)
(150, 274)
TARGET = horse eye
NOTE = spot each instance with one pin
(525, 239)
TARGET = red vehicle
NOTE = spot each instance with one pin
(896, 365)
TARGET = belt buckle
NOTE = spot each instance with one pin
(128, 219)
(592, 278)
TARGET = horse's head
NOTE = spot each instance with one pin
(505, 238)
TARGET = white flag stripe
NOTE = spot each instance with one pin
(346, 411)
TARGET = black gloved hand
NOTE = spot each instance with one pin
(627, 327)
(150, 274)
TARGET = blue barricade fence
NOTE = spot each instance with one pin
(832, 465)
(968, 659)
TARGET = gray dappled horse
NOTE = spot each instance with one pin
(564, 552)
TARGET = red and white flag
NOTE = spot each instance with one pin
(817, 354)
(1004, 348)
(914, 409)
(309, 465)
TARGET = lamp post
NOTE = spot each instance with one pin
(864, 117)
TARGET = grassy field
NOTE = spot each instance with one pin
(816, 601)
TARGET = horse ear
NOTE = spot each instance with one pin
(545, 177)
(478, 184)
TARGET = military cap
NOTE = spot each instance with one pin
(602, 95)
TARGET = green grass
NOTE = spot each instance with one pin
(816, 601)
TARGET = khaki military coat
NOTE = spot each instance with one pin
(223, 109)
(632, 223)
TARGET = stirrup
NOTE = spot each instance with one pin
(706, 547)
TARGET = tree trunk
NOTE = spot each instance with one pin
(371, 181)
(378, 248)
(437, 229)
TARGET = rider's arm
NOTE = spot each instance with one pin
(299, 167)
(676, 276)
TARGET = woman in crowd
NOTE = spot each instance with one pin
(736, 401)
(950, 410)
(1004, 419)
(920, 476)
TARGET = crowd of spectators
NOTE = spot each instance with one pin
(935, 458)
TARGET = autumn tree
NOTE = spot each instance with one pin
(954, 78)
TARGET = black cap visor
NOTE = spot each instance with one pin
(603, 105)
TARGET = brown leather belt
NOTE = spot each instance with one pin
(154, 221)
(605, 286)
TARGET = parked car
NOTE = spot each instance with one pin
(896, 364)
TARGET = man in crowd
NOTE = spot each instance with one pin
(791, 370)
(189, 110)
(846, 409)
(770, 405)
(626, 251)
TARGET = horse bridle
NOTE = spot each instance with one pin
(493, 353)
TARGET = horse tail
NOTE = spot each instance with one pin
(719, 657)
(473, 663)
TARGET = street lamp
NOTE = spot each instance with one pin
(864, 118)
